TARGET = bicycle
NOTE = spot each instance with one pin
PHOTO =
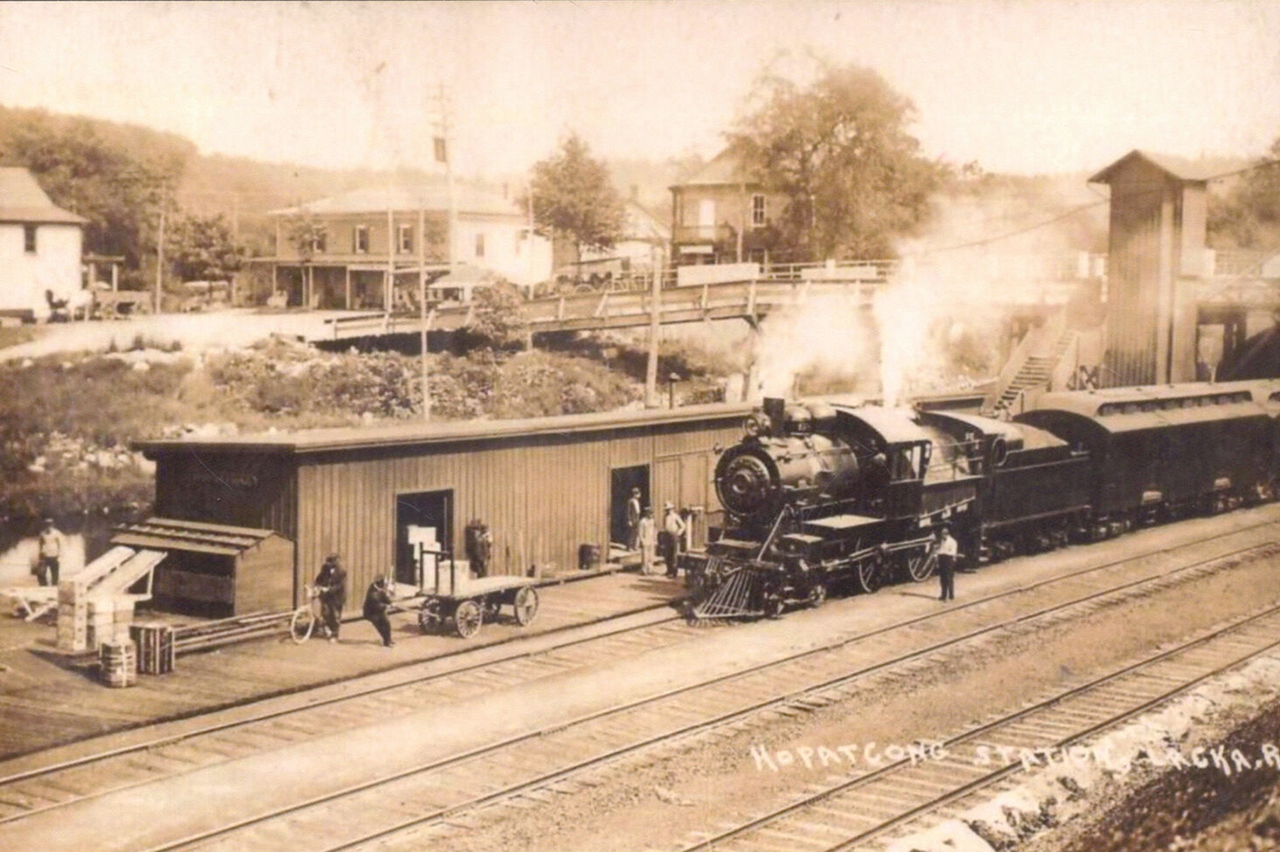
(306, 617)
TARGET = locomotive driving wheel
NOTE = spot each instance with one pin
(869, 576)
(919, 564)
(467, 619)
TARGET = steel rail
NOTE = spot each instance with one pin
(791, 696)
(961, 790)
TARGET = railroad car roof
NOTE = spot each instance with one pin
(1091, 403)
(1139, 420)
(410, 434)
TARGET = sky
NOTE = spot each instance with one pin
(1028, 87)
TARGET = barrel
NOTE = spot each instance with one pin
(118, 663)
(588, 556)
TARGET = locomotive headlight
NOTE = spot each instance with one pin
(756, 425)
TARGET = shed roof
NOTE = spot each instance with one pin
(193, 536)
(430, 195)
(417, 434)
(22, 200)
(1176, 167)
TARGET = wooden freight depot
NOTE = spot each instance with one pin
(552, 490)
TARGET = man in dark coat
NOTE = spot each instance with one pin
(376, 602)
(331, 583)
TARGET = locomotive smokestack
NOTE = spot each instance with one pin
(775, 408)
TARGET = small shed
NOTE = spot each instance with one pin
(217, 569)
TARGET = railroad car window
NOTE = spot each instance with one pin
(1275, 397)
(1131, 408)
(1150, 406)
(1188, 403)
(1106, 410)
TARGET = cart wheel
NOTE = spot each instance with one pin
(468, 618)
(302, 623)
(429, 616)
(920, 564)
(526, 605)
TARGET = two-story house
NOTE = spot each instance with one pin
(365, 249)
(721, 215)
(40, 247)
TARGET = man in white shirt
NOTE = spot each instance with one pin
(948, 552)
(50, 557)
(673, 527)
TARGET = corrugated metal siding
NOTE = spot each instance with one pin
(541, 496)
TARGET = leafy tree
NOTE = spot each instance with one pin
(116, 176)
(203, 249)
(1248, 215)
(839, 151)
(499, 314)
(574, 198)
(306, 236)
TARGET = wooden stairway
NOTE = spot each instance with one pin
(1034, 374)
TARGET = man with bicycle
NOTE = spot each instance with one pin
(331, 584)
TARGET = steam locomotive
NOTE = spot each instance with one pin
(825, 497)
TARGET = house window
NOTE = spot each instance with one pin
(318, 241)
(404, 239)
(479, 245)
(757, 211)
(29, 238)
(360, 239)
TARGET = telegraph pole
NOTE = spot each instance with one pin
(651, 370)
(443, 125)
(160, 255)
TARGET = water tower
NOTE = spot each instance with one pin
(1156, 255)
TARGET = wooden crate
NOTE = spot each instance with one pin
(155, 647)
(118, 663)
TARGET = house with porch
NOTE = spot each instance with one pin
(366, 249)
(40, 248)
(722, 215)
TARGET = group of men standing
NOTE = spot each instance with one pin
(666, 542)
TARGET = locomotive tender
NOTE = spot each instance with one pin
(822, 497)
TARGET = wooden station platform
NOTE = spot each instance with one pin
(48, 699)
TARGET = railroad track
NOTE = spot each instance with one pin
(51, 787)
(524, 770)
(866, 806)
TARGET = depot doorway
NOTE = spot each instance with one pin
(622, 480)
(424, 516)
